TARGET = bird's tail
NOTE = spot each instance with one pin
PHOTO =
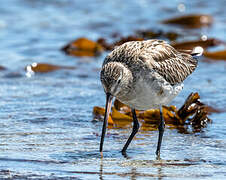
(197, 51)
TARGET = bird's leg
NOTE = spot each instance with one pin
(161, 131)
(134, 131)
(107, 111)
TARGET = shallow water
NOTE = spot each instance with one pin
(46, 124)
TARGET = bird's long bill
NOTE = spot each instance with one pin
(109, 98)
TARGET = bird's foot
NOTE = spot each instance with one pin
(157, 155)
(124, 154)
(101, 154)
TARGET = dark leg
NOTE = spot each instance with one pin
(134, 131)
(161, 131)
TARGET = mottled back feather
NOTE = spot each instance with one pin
(156, 55)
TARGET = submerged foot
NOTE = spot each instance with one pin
(157, 155)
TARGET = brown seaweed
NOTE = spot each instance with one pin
(217, 55)
(189, 45)
(83, 47)
(192, 112)
(151, 34)
(191, 21)
(45, 68)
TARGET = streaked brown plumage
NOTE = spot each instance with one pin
(174, 66)
(144, 75)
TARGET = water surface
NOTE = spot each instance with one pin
(46, 124)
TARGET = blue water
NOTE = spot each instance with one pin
(46, 124)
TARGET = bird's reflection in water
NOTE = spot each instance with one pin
(101, 169)
(133, 173)
(160, 174)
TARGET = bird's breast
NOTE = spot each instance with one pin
(151, 93)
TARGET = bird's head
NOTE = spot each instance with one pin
(116, 79)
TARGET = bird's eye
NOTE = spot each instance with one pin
(119, 81)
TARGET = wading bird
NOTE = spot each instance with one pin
(144, 75)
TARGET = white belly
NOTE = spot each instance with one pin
(148, 95)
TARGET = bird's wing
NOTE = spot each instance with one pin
(174, 66)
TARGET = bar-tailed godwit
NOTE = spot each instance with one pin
(144, 75)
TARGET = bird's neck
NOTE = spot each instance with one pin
(126, 81)
(126, 73)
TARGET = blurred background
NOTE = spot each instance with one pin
(51, 52)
